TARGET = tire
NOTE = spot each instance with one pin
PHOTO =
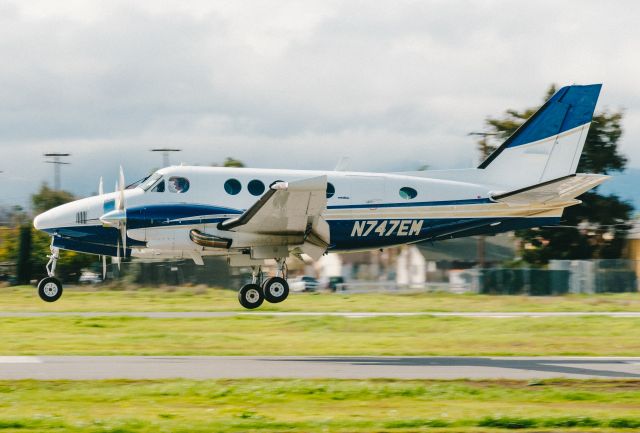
(250, 296)
(275, 289)
(50, 289)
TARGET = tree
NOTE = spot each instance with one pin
(594, 229)
(23, 262)
(28, 247)
(48, 198)
(231, 162)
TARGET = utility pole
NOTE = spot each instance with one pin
(165, 155)
(485, 150)
(56, 167)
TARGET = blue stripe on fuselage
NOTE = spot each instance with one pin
(378, 233)
(95, 234)
(413, 204)
(162, 215)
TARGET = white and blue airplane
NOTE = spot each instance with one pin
(249, 215)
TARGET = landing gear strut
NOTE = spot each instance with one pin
(50, 288)
(273, 289)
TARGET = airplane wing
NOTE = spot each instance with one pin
(559, 190)
(286, 209)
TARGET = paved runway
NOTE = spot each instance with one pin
(344, 367)
(354, 314)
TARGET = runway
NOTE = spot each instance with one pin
(340, 367)
(349, 314)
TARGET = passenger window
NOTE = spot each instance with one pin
(178, 184)
(232, 186)
(408, 193)
(255, 187)
(159, 187)
(331, 190)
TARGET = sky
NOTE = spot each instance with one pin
(290, 84)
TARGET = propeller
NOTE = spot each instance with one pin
(121, 207)
(118, 217)
(104, 268)
(100, 187)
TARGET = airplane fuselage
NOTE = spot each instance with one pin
(364, 211)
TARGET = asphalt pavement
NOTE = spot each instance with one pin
(342, 367)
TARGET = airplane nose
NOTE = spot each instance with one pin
(40, 222)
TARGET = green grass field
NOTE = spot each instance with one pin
(203, 299)
(317, 406)
(321, 335)
(123, 406)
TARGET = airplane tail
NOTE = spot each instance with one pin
(549, 144)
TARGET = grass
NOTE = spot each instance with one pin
(25, 298)
(317, 405)
(321, 335)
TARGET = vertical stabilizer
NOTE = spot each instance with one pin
(549, 144)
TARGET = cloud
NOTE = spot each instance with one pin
(394, 85)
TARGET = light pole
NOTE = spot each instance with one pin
(165, 155)
(56, 167)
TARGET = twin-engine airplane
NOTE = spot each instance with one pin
(249, 215)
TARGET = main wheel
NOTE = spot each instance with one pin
(275, 289)
(50, 289)
(250, 296)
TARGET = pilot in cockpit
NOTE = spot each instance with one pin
(178, 184)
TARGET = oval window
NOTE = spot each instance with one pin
(255, 187)
(232, 186)
(408, 193)
(178, 184)
(331, 190)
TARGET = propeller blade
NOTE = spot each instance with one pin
(118, 255)
(123, 233)
(104, 267)
(121, 189)
(117, 196)
(100, 187)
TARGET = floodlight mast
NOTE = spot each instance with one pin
(56, 167)
(165, 154)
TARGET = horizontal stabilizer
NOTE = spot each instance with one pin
(557, 190)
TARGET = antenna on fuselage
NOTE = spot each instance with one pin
(165, 154)
(56, 167)
(343, 164)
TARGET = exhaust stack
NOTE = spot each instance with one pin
(209, 241)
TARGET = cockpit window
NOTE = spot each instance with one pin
(159, 187)
(151, 180)
(136, 183)
(178, 184)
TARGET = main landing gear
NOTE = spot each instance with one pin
(50, 288)
(273, 289)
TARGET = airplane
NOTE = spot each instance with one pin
(250, 215)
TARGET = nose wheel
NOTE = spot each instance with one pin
(50, 288)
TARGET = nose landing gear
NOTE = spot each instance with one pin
(273, 289)
(50, 288)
